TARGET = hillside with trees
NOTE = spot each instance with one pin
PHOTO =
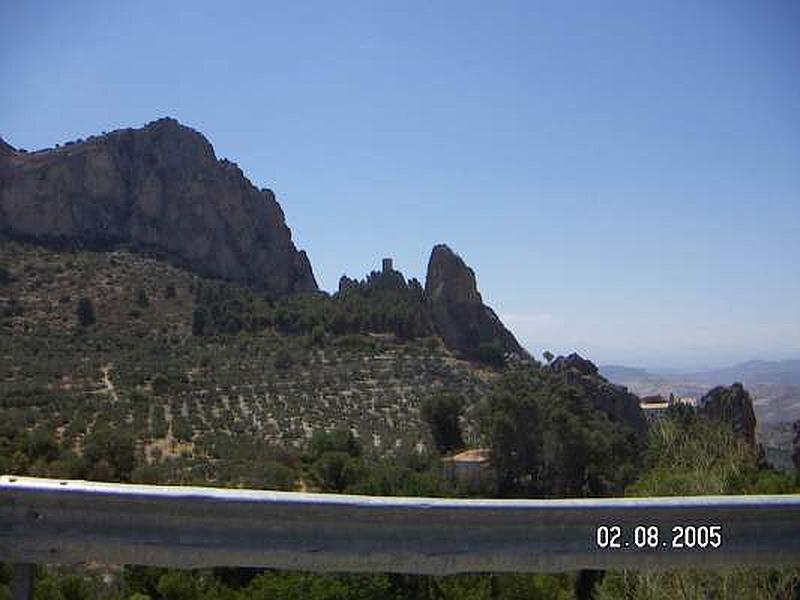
(120, 367)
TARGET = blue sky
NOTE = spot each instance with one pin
(624, 177)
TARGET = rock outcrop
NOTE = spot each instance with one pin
(732, 405)
(574, 361)
(158, 189)
(614, 400)
(459, 315)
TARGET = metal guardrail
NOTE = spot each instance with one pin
(54, 521)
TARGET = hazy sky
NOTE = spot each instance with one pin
(624, 177)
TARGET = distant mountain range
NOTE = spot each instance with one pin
(775, 385)
(781, 372)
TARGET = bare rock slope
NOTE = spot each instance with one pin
(160, 189)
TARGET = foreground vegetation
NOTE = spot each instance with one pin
(684, 455)
(690, 455)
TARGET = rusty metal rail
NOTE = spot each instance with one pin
(54, 521)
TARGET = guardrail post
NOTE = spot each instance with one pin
(22, 583)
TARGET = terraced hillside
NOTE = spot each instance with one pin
(199, 406)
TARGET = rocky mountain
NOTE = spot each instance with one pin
(158, 189)
(459, 315)
(161, 191)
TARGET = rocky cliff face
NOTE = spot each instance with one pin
(159, 189)
(731, 405)
(459, 315)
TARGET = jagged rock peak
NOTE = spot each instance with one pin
(459, 315)
(159, 188)
(446, 268)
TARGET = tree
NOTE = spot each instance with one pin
(317, 336)
(85, 312)
(283, 359)
(199, 318)
(160, 383)
(142, 300)
(441, 413)
(512, 425)
(337, 440)
(41, 443)
(277, 476)
(178, 585)
(549, 439)
(110, 454)
(548, 356)
(5, 275)
(492, 353)
(335, 459)
(334, 471)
